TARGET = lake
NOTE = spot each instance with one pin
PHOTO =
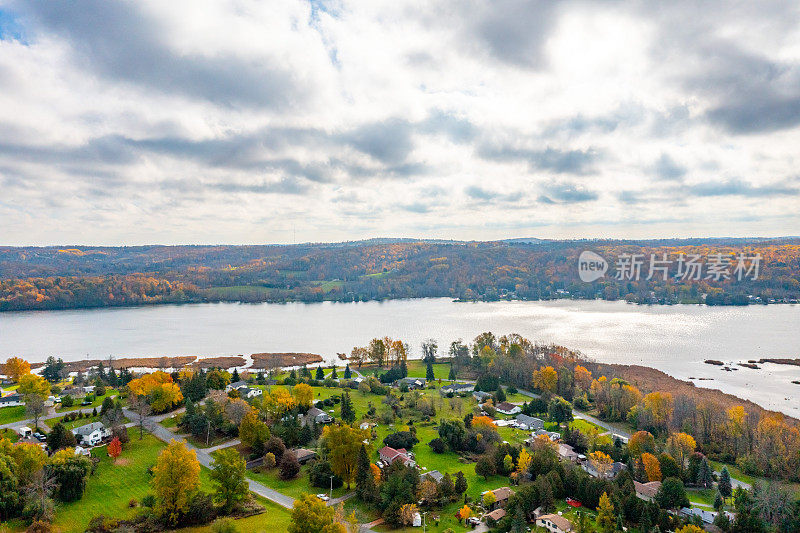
(675, 339)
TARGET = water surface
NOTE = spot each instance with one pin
(675, 339)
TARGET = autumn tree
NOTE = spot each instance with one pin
(139, 405)
(228, 474)
(407, 513)
(601, 462)
(303, 394)
(652, 467)
(523, 461)
(606, 520)
(15, 368)
(680, 447)
(358, 355)
(311, 515)
(641, 442)
(160, 391)
(545, 379)
(35, 390)
(377, 351)
(343, 443)
(176, 476)
(582, 378)
(114, 449)
(253, 432)
(464, 513)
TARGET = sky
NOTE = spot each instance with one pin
(137, 122)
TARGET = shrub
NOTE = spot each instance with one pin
(437, 445)
(201, 509)
(269, 460)
(133, 503)
(224, 525)
(289, 467)
(39, 526)
(102, 524)
(320, 475)
(276, 447)
(67, 401)
(100, 390)
(149, 501)
(401, 439)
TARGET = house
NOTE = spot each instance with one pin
(567, 453)
(457, 388)
(358, 380)
(11, 400)
(389, 455)
(247, 393)
(318, 415)
(552, 435)
(88, 389)
(75, 392)
(612, 472)
(554, 523)
(507, 408)
(706, 516)
(494, 517)
(411, 383)
(433, 475)
(91, 434)
(529, 422)
(235, 386)
(501, 497)
(481, 396)
(647, 491)
(303, 455)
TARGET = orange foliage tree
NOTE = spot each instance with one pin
(114, 449)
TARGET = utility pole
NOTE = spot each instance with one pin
(424, 522)
(208, 432)
(330, 494)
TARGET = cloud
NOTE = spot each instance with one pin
(737, 187)
(667, 169)
(566, 193)
(550, 159)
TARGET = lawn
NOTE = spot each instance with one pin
(10, 434)
(80, 422)
(293, 487)
(12, 414)
(98, 401)
(417, 369)
(586, 427)
(275, 518)
(112, 486)
(701, 497)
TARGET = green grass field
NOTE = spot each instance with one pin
(274, 518)
(112, 486)
(293, 487)
(12, 414)
(98, 401)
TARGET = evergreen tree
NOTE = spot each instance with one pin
(113, 380)
(348, 413)
(725, 487)
(260, 378)
(704, 476)
(447, 487)
(461, 483)
(365, 482)
(334, 375)
(452, 375)
(519, 524)
(641, 473)
(293, 374)
(235, 376)
(404, 369)
(718, 503)
(429, 372)
(347, 372)
(320, 375)
(305, 372)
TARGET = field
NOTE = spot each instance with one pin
(275, 518)
(98, 401)
(12, 414)
(294, 487)
(112, 486)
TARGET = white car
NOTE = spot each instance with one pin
(323, 497)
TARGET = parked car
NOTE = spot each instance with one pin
(323, 497)
(86, 402)
(38, 436)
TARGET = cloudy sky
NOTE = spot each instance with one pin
(280, 121)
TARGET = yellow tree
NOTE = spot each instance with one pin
(16, 367)
(605, 514)
(311, 515)
(303, 394)
(33, 385)
(660, 406)
(651, 467)
(159, 389)
(736, 425)
(681, 446)
(545, 379)
(641, 442)
(343, 443)
(601, 462)
(407, 513)
(277, 402)
(464, 513)
(176, 476)
(583, 378)
(690, 528)
(523, 461)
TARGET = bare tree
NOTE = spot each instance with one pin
(38, 494)
(139, 405)
(34, 406)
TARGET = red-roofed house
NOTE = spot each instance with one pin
(389, 455)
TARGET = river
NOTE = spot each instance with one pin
(675, 339)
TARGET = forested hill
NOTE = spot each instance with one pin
(81, 276)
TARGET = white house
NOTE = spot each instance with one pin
(236, 385)
(247, 392)
(11, 400)
(91, 434)
(529, 422)
(508, 408)
(554, 523)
